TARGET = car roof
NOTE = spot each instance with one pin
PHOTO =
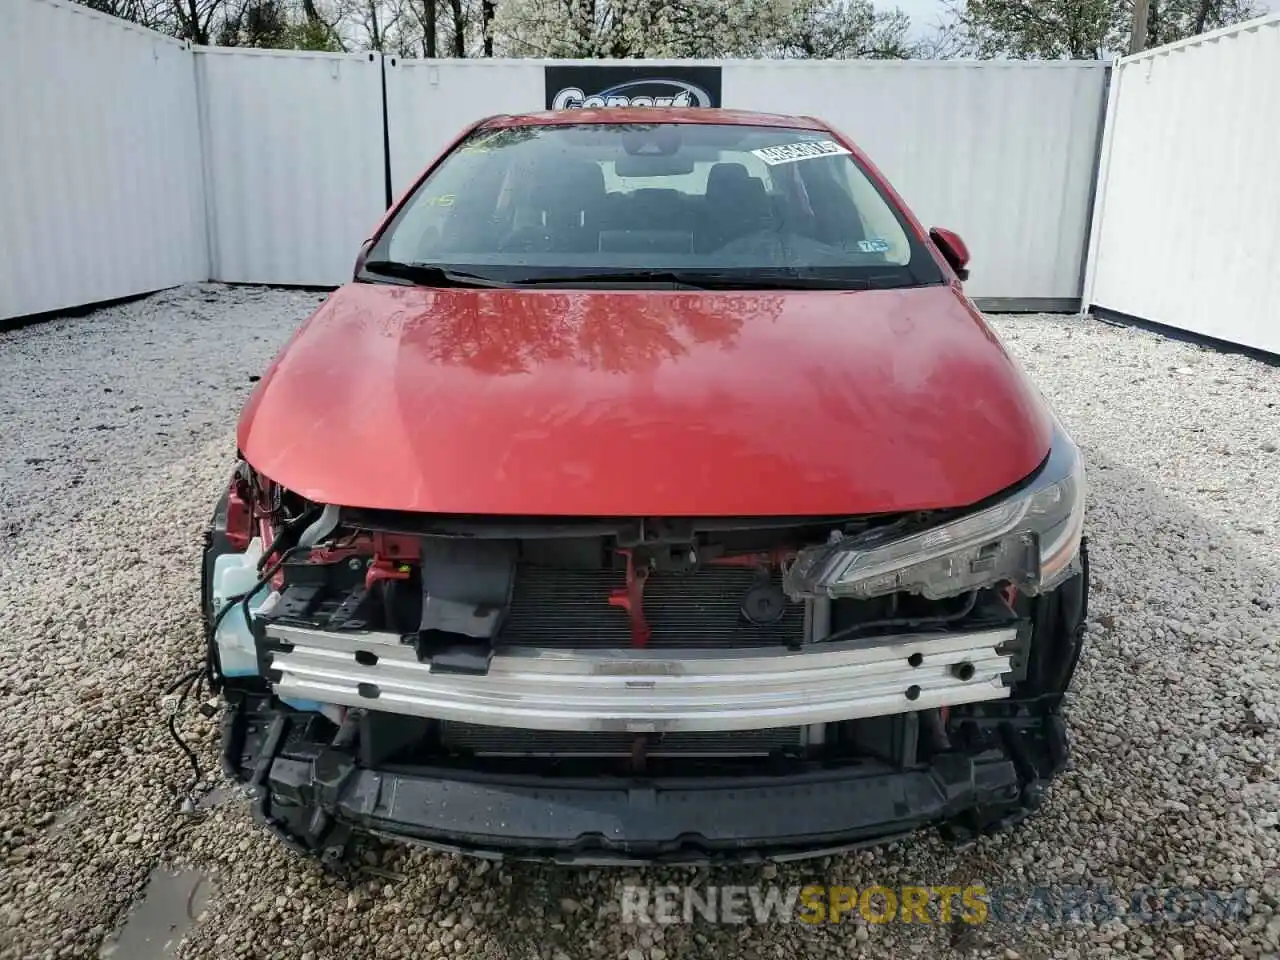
(747, 118)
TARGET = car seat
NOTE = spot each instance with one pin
(736, 206)
(567, 197)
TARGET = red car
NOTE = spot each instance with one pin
(653, 493)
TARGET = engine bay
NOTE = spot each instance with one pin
(598, 654)
(361, 621)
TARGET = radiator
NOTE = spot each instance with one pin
(569, 609)
(485, 740)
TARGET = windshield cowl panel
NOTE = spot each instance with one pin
(706, 206)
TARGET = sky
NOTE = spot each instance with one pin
(926, 10)
(925, 14)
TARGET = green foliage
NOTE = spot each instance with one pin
(1086, 29)
(844, 29)
(312, 35)
(700, 28)
(828, 29)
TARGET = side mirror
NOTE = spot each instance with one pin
(361, 257)
(952, 249)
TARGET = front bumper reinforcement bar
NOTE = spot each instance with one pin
(647, 691)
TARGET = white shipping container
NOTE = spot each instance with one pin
(294, 161)
(101, 195)
(1187, 222)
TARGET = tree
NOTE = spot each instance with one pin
(194, 19)
(1170, 20)
(486, 26)
(844, 29)
(316, 31)
(1085, 29)
(255, 23)
(148, 13)
(423, 14)
(273, 24)
(369, 16)
(677, 28)
(946, 39)
(1044, 29)
(459, 28)
(542, 28)
(699, 28)
(289, 24)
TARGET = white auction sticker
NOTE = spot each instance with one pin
(805, 150)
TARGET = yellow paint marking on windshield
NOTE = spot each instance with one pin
(482, 144)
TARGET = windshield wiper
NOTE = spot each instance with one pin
(430, 274)
(705, 280)
(435, 275)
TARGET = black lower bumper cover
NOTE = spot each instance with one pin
(314, 804)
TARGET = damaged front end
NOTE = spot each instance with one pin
(634, 690)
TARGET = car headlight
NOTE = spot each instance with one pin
(1031, 539)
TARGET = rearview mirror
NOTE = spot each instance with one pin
(646, 165)
(953, 250)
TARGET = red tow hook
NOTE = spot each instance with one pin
(384, 569)
(631, 599)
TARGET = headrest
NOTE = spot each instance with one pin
(568, 185)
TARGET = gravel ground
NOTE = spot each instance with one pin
(117, 434)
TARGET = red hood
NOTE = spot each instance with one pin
(644, 403)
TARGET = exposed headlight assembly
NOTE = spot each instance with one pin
(1031, 539)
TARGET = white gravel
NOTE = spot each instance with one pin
(116, 432)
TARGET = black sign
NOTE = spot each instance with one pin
(581, 86)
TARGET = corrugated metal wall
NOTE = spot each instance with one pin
(100, 188)
(1187, 228)
(294, 162)
(1001, 152)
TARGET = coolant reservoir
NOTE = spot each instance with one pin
(233, 575)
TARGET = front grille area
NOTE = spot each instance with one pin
(514, 742)
(570, 609)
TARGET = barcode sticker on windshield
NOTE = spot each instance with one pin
(805, 150)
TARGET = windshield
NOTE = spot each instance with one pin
(705, 203)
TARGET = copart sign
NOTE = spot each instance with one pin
(585, 86)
